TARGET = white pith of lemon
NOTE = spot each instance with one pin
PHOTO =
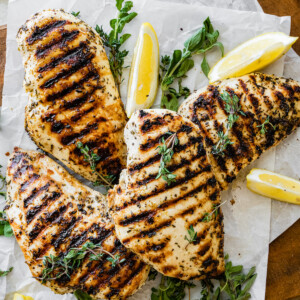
(143, 79)
(18, 296)
(252, 55)
(274, 186)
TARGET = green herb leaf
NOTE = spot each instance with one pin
(232, 107)
(166, 152)
(152, 274)
(205, 67)
(4, 273)
(75, 14)
(176, 68)
(171, 289)
(113, 41)
(192, 235)
(92, 158)
(263, 129)
(80, 295)
(5, 228)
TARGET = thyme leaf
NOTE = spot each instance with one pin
(80, 295)
(55, 266)
(114, 40)
(263, 129)
(233, 109)
(175, 68)
(92, 158)
(166, 152)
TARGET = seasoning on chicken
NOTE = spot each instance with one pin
(152, 216)
(72, 94)
(269, 112)
(51, 212)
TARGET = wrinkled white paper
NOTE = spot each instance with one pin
(247, 222)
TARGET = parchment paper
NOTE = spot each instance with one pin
(247, 222)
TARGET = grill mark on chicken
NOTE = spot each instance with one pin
(61, 42)
(177, 149)
(92, 74)
(73, 56)
(156, 192)
(26, 184)
(80, 60)
(40, 32)
(36, 192)
(33, 211)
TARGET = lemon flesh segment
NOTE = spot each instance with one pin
(21, 297)
(274, 186)
(143, 79)
(253, 55)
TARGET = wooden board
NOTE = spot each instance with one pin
(283, 279)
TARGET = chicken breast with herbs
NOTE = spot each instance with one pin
(72, 94)
(175, 226)
(268, 110)
(52, 213)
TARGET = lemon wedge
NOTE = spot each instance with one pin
(143, 79)
(252, 55)
(21, 297)
(274, 185)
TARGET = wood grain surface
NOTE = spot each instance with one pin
(283, 278)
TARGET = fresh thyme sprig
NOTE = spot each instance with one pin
(92, 158)
(170, 289)
(180, 63)
(233, 109)
(56, 267)
(192, 235)
(113, 42)
(75, 14)
(166, 152)
(5, 273)
(263, 129)
(208, 216)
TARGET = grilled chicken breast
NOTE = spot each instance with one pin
(72, 94)
(51, 212)
(152, 217)
(266, 101)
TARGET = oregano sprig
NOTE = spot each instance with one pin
(114, 40)
(55, 266)
(233, 109)
(175, 68)
(92, 158)
(214, 213)
(166, 152)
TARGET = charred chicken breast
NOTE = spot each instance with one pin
(52, 213)
(72, 94)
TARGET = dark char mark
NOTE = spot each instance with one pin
(72, 56)
(41, 32)
(35, 192)
(32, 212)
(32, 179)
(66, 36)
(75, 85)
(77, 61)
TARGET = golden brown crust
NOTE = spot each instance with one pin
(72, 94)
